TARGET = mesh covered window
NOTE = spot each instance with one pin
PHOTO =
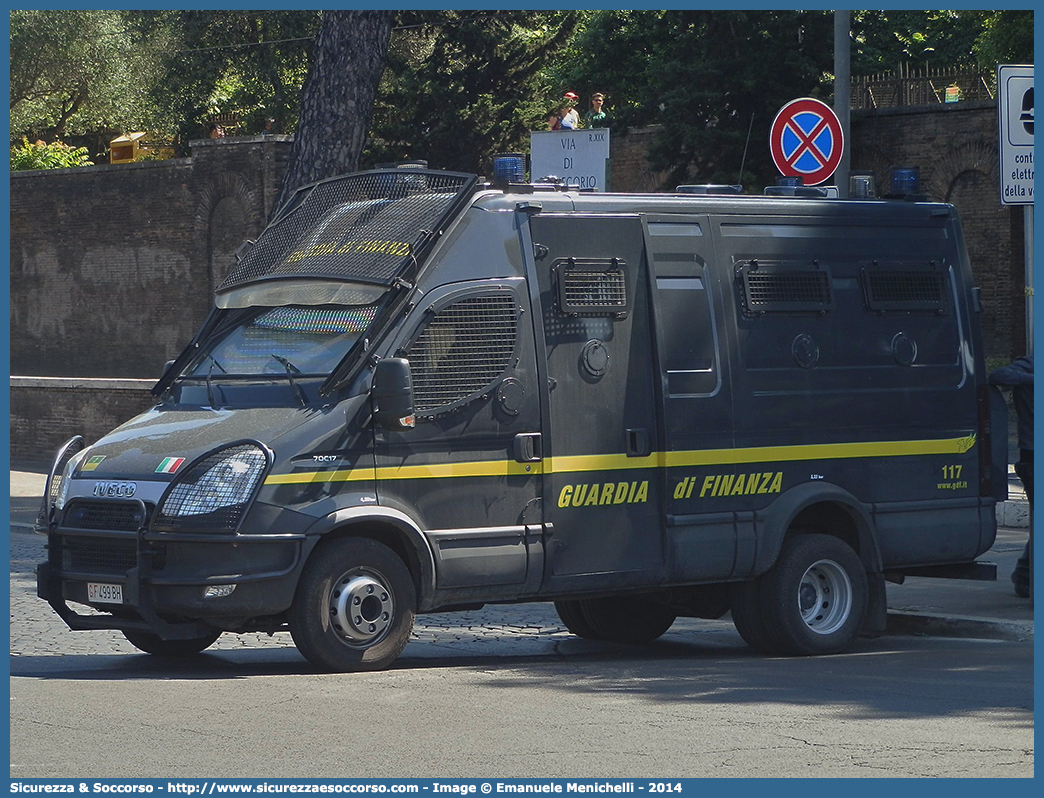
(592, 288)
(361, 227)
(904, 287)
(462, 351)
(771, 288)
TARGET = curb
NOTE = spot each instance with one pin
(914, 623)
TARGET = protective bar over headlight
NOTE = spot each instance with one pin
(69, 455)
(214, 492)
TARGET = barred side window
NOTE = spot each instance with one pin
(462, 351)
(905, 287)
(782, 288)
(592, 287)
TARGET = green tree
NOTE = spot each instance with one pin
(463, 85)
(708, 77)
(1006, 38)
(79, 71)
(249, 63)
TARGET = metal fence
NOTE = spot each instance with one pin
(927, 85)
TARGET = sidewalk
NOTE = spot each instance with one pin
(940, 607)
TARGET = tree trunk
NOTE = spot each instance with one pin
(337, 99)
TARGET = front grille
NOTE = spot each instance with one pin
(98, 555)
(111, 516)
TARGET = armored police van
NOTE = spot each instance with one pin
(420, 392)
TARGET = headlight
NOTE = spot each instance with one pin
(215, 491)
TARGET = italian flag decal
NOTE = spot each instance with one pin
(170, 465)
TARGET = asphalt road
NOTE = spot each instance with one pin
(508, 692)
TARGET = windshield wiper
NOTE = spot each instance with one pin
(210, 371)
(291, 369)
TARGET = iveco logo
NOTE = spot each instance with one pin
(115, 490)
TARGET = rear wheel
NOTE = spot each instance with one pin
(154, 644)
(572, 615)
(354, 606)
(627, 619)
(812, 601)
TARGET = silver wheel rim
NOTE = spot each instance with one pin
(825, 597)
(361, 608)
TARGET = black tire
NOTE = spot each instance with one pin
(748, 617)
(154, 644)
(627, 619)
(354, 606)
(814, 599)
(572, 615)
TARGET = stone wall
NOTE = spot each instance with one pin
(113, 267)
(47, 411)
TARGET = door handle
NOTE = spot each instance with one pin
(637, 443)
(528, 447)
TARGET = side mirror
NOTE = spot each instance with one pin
(166, 367)
(393, 394)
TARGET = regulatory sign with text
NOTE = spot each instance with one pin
(806, 140)
(1015, 114)
(579, 157)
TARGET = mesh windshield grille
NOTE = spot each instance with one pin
(99, 555)
(768, 289)
(103, 515)
(462, 351)
(361, 227)
(893, 289)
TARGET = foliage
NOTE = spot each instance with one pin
(75, 71)
(1006, 38)
(251, 64)
(881, 40)
(47, 156)
(462, 85)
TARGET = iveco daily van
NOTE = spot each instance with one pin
(418, 392)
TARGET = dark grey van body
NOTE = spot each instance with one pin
(638, 406)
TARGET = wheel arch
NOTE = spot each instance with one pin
(394, 529)
(816, 507)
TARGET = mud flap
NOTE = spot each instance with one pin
(877, 606)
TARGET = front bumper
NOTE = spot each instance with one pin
(164, 576)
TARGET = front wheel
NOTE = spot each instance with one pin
(354, 606)
(154, 644)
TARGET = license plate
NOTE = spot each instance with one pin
(99, 593)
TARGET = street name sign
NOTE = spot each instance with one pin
(579, 157)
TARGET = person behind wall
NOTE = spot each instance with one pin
(570, 119)
(595, 116)
(269, 128)
(1019, 377)
(216, 131)
(554, 121)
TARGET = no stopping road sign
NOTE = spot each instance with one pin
(806, 140)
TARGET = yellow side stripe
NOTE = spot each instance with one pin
(621, 462)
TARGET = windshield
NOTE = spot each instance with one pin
(298, 339)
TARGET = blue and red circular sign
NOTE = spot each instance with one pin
(806, 140)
